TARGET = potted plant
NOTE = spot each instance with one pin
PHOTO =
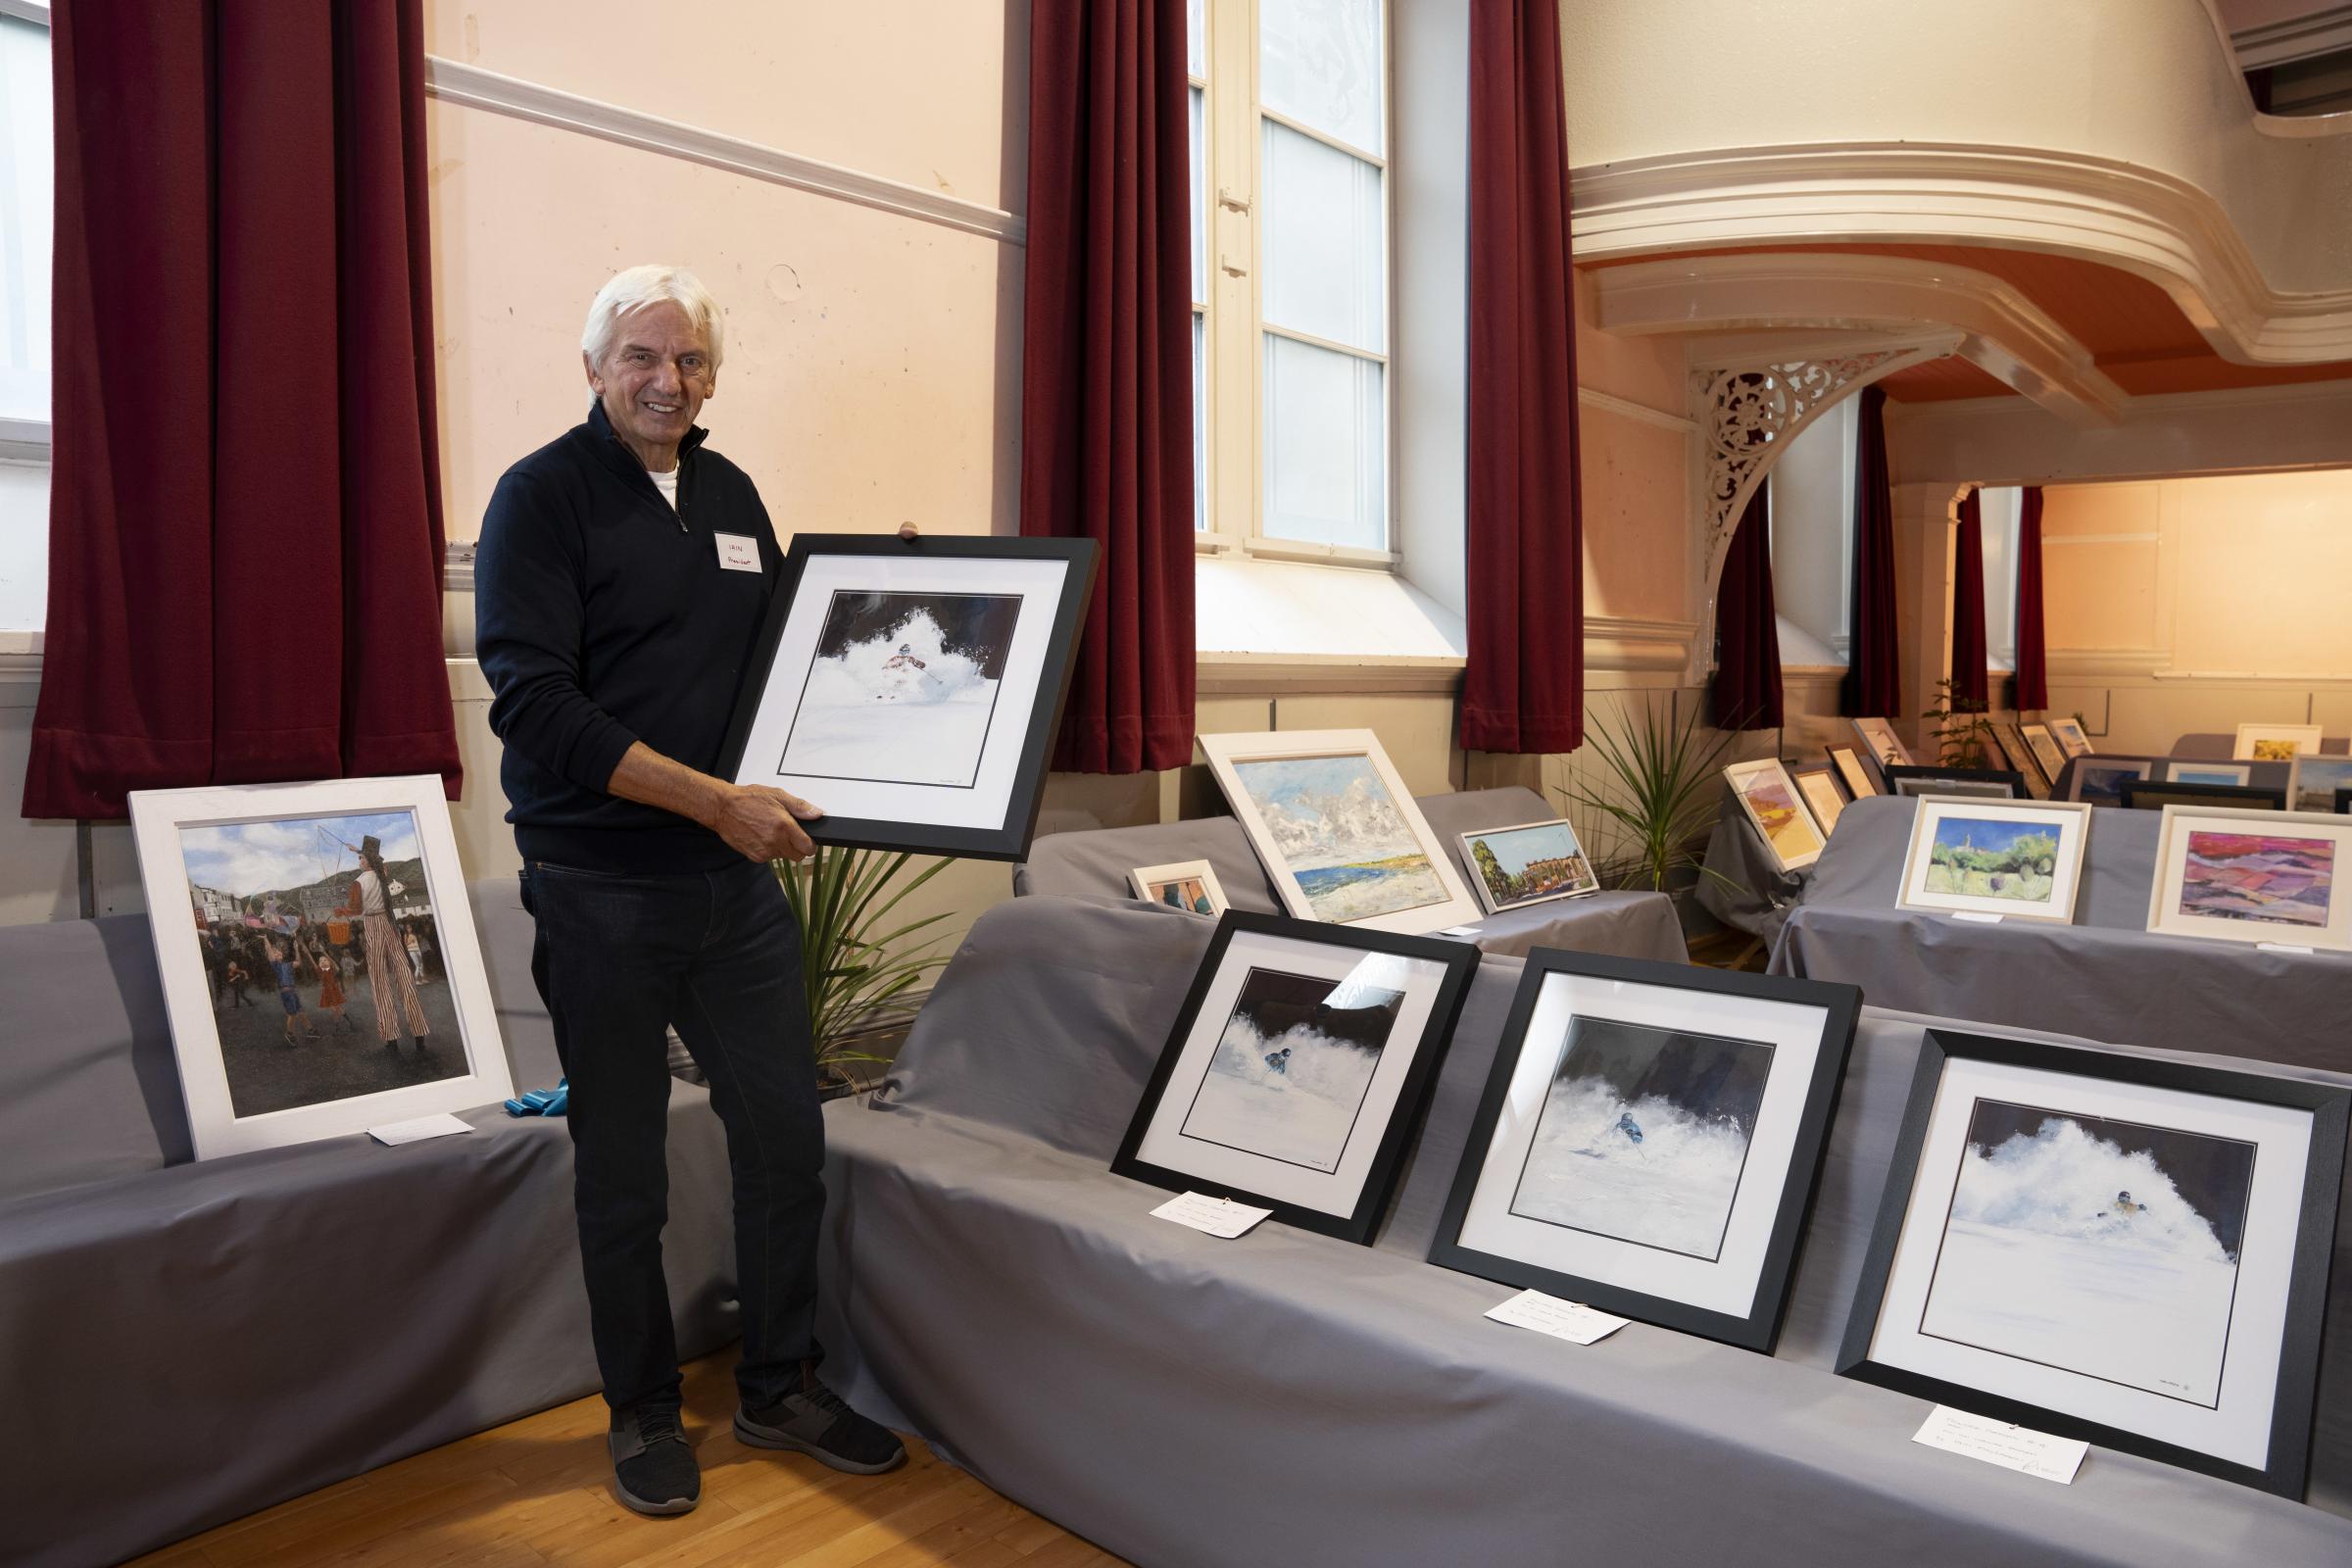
(854, 963)
(1964, 735)
(1660, 788)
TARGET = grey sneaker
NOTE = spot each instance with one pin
(652, 1468)
(816, 1422)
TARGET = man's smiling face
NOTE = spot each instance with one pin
(652, 380)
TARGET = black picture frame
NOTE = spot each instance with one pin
(2295, 1395)
(2343, 802)
(1458, 961)
(1760, 1326)
(1010, 840)
(1921, 773)
(2153, 795)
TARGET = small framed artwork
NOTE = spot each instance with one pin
(1649, 1139)
(1769, 796)
(1187, 885)
(2019, 757)
(2046, 749)
(2252, 876)
(2069, 734)
(2128, 1251)
(1976, 783)
(911, 688)
(2144, 795)
(2209, 773)
(1860, 781)
(319, 958)
(1294, 1070)
(2275, 743)
(2343, 802)
(2311, 782)
(1530, 864)
(1339, 835)
(1819, 787)
(2022, 861)
(2099, 781)
(1880, 743)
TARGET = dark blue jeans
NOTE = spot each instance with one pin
(619, 958)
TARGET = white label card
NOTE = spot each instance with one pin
(1460, 931)
(1562, 1320)
(417, 1131)
(2036, 1453)
(1213, 1216)
(1974, 917)
(738, 552)
(2283, 947)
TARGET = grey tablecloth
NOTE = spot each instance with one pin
(2104, 977)
(2217, 748)
(1096, 864)
(184, 1344)
(1291, 1399)
(1739, 883)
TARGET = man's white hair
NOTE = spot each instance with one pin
(651, 284)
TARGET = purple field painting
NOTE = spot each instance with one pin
(2258, 876)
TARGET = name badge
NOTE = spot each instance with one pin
(738, 552)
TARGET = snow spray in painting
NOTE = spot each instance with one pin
(1644, 1135)
(1339, 832)
(1292, 1067)
(901, 688)
(2104, 1247)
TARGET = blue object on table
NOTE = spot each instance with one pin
(543, 1101)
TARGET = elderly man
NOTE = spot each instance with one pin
(623, 574)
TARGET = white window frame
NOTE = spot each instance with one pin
(1233, 357)
(26, 443)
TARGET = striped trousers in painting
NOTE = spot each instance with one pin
(389, 981)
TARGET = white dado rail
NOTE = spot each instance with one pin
(2115, 131)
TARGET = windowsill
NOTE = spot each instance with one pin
(1258, 613)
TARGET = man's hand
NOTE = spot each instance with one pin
(763, 823)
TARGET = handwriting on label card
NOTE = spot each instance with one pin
(1562, 1320)
(2012, 1448)
(1211, 1216)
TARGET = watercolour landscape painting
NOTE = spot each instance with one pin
(1340, 834)
(2276, 878)
(1981, 858)
(2314, 781)
(2098, 1246)
(1784, 823)
(1293, 1066)
(1518, 865)
(1644, 1135)
(903, 688)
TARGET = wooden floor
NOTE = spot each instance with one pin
(539, 1490)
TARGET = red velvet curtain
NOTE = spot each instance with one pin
(1874, 678)
(1523, 687)
(2032, 656)
(1107, 377)
(245, 515)
(1970, 681)
(1747, 632)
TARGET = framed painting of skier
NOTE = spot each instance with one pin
(2129, 1249)
(1649, 1139)
(911, 688)
(1297, 1067)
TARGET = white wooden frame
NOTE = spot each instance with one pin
(2070, 818)
(1144, 878)
(1486, 895)
(156, 819)
(2306, 738)
(1825, 812)
(1745, 775)
(2070, 736)
(1226, 752)
(2166, 918)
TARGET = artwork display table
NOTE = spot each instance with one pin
(187, 1344)
(1739, 883)
(1096, 864)
(2104, 977)
(2205, 748)
(1292, 1398)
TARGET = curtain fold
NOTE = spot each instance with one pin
(245, 528)
(1970, 679)
(1747, 631)
(1107, 374)
(1873, 680)
(2033, 653)
(1523, 685)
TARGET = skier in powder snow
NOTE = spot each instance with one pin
(903, 659)
(2126, 1208)
(1280, 1061)
(905, 675)
(1630, 1127)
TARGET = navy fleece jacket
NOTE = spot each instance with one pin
(604, 618)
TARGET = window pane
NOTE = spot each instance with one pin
(1199, 422)
(1196, 40)
(26, 221)
(1327, 476)
(1318, 62)
(1200, 204)
(1325, 259)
